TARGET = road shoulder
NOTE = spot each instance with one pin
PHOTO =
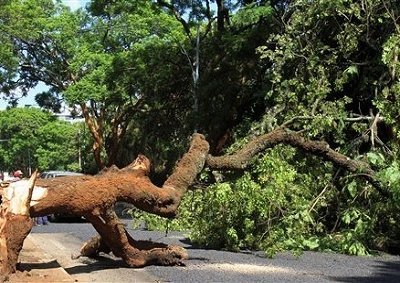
(35, 265)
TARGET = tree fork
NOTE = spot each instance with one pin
(94, 197)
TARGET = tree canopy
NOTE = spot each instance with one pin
(33, 139)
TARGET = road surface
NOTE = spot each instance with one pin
(63, 239)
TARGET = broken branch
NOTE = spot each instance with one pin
(241, 159)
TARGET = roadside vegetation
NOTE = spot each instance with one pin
(35, 139)
(145, 75)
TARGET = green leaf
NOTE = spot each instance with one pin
(352, 188)
(312, 243)
(376, 158)
(351, 70)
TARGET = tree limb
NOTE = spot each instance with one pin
(95, 196)
(348, 119)
(241, 159)
(177, 15)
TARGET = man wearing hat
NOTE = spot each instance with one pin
(17, 175)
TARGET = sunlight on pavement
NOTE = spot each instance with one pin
(246, 268)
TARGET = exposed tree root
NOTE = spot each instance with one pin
(135, 253)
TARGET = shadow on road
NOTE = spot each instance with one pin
(385, 272)
(37, 265)
(95, 264)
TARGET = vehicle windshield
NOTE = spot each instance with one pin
(54, 174)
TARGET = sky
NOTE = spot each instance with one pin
(30, 99)
(75, 4)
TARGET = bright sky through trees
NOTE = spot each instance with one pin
(75, 4)
(30, 99)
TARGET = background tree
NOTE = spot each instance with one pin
(60, 146)
(18, 133)
(34, 139)
(73, 53)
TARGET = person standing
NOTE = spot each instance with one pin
(41, 220)
(17, 175)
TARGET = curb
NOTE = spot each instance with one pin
(38, 266)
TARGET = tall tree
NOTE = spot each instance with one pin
(73, 53)
(32, 138)
(208, 81)
(326, 67)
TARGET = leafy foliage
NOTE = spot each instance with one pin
(58, 146)
(327, 62)
(281, 205)
(31, 138)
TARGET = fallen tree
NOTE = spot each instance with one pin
(94, 197)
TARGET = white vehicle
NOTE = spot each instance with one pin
(57, 173)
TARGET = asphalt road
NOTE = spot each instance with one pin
(211, 265)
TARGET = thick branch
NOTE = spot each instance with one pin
(242, 158)
(135, 253)
(83, 195)
(189, 166)
(348, 119)
(164, 201)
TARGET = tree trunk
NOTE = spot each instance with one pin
(222, 15)
(96, 130)
(15, 223)
(94, 198)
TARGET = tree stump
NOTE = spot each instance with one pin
(15, 222)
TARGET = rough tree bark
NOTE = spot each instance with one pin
(15, 223)
(94, 197)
